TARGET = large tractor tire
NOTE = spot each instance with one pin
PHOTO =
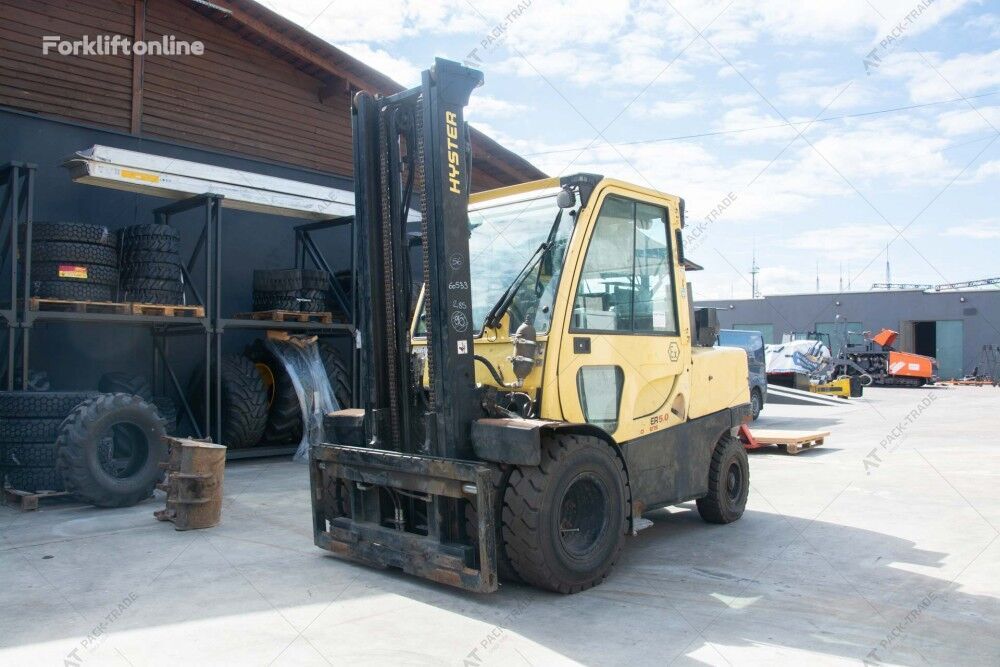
(564, 521)
(284, 417)
(244, 401)
(728, 482)
(109, 450)
(339, 374)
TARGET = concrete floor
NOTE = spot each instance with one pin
(835, 561)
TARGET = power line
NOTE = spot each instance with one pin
(716, 133)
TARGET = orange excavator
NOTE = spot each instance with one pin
(887, 366)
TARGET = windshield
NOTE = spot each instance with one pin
(502, 239)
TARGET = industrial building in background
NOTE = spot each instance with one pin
(953, 327)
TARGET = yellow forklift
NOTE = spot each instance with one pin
(548, 385)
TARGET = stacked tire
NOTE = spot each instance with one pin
(29, 428)
(151, 264)
(72, 261)
(297, 290)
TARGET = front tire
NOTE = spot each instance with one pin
(564, 522)
(728, 483)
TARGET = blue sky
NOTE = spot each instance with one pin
(588, 86)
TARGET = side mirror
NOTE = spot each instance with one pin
(566, 198)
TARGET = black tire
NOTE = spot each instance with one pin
(97, 274)
(29, 430)
(72, 290)
(148, 244)
(40, 405)
(24, 478)
(154, 296)
(30, 454)
(579, 486)
(109, 450)
(74, 232)
(244, 401)
(150, 257)
(755, 403)
(338, 372)
(154, 284)
(284, 417)
(728, 482)
(293, 305)
(157, 270)
(283, 280)
(154, 230)
(125, 383)
(66, 252)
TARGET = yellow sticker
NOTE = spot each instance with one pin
(70, 271)
(140, 176)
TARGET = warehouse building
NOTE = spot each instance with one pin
(952, 326)
(265, 96)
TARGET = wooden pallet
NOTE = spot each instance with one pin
(790, 441)
(27, 501)
(287, 316)
(67, 306)
(167, 310)
(969, 383)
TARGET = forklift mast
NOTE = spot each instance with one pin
(396, 483)
(416, 140)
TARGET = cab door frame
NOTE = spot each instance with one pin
(655, 377)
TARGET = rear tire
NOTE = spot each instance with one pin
(564, 522)
(728, 483)
(755, 403)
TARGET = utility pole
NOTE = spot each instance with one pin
(817, 275)
(754, 270)
(841, 276)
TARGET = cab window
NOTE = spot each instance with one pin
(627, 281)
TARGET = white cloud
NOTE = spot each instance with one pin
(664, 109)
(967, 121)
(400, 70)
(977, 229)
(930, 77)
(486, 106)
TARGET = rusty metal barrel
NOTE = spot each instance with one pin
(193, 484)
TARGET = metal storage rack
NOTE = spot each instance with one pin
(17, 179)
